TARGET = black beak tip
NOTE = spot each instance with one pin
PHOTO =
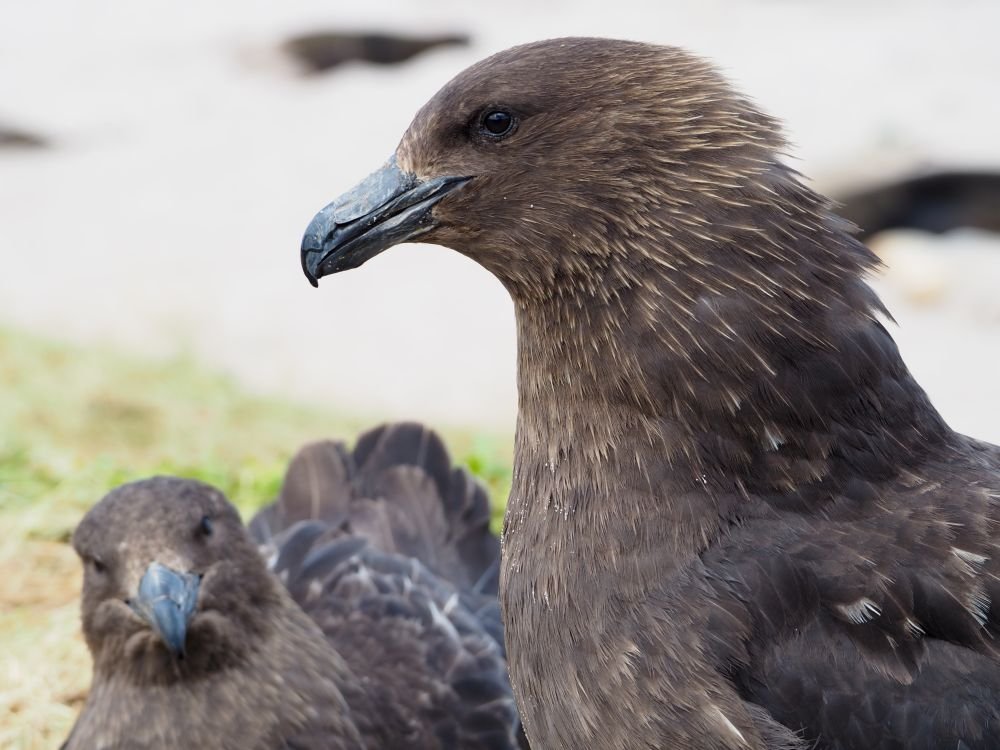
(307, 267)
(176, 650)
(311, 256)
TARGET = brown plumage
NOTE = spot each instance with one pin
(348, 637)
(736, 520)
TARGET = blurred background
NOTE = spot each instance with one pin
(159, 161)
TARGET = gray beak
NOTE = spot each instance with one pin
(386, 208)
(167, 601)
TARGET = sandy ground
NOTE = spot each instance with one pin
(187, 158)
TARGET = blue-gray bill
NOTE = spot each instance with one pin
(167, 601)
(388, 207)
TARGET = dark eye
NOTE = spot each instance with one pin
(497, 123)
(205, 527)
(97, 565)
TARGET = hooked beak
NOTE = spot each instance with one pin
(167, 601)
(386, 208)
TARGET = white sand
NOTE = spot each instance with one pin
(188, 161)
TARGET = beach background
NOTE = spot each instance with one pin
(161, 160)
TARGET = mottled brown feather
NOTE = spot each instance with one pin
(736, 520)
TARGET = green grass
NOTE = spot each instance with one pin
(76, 422)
